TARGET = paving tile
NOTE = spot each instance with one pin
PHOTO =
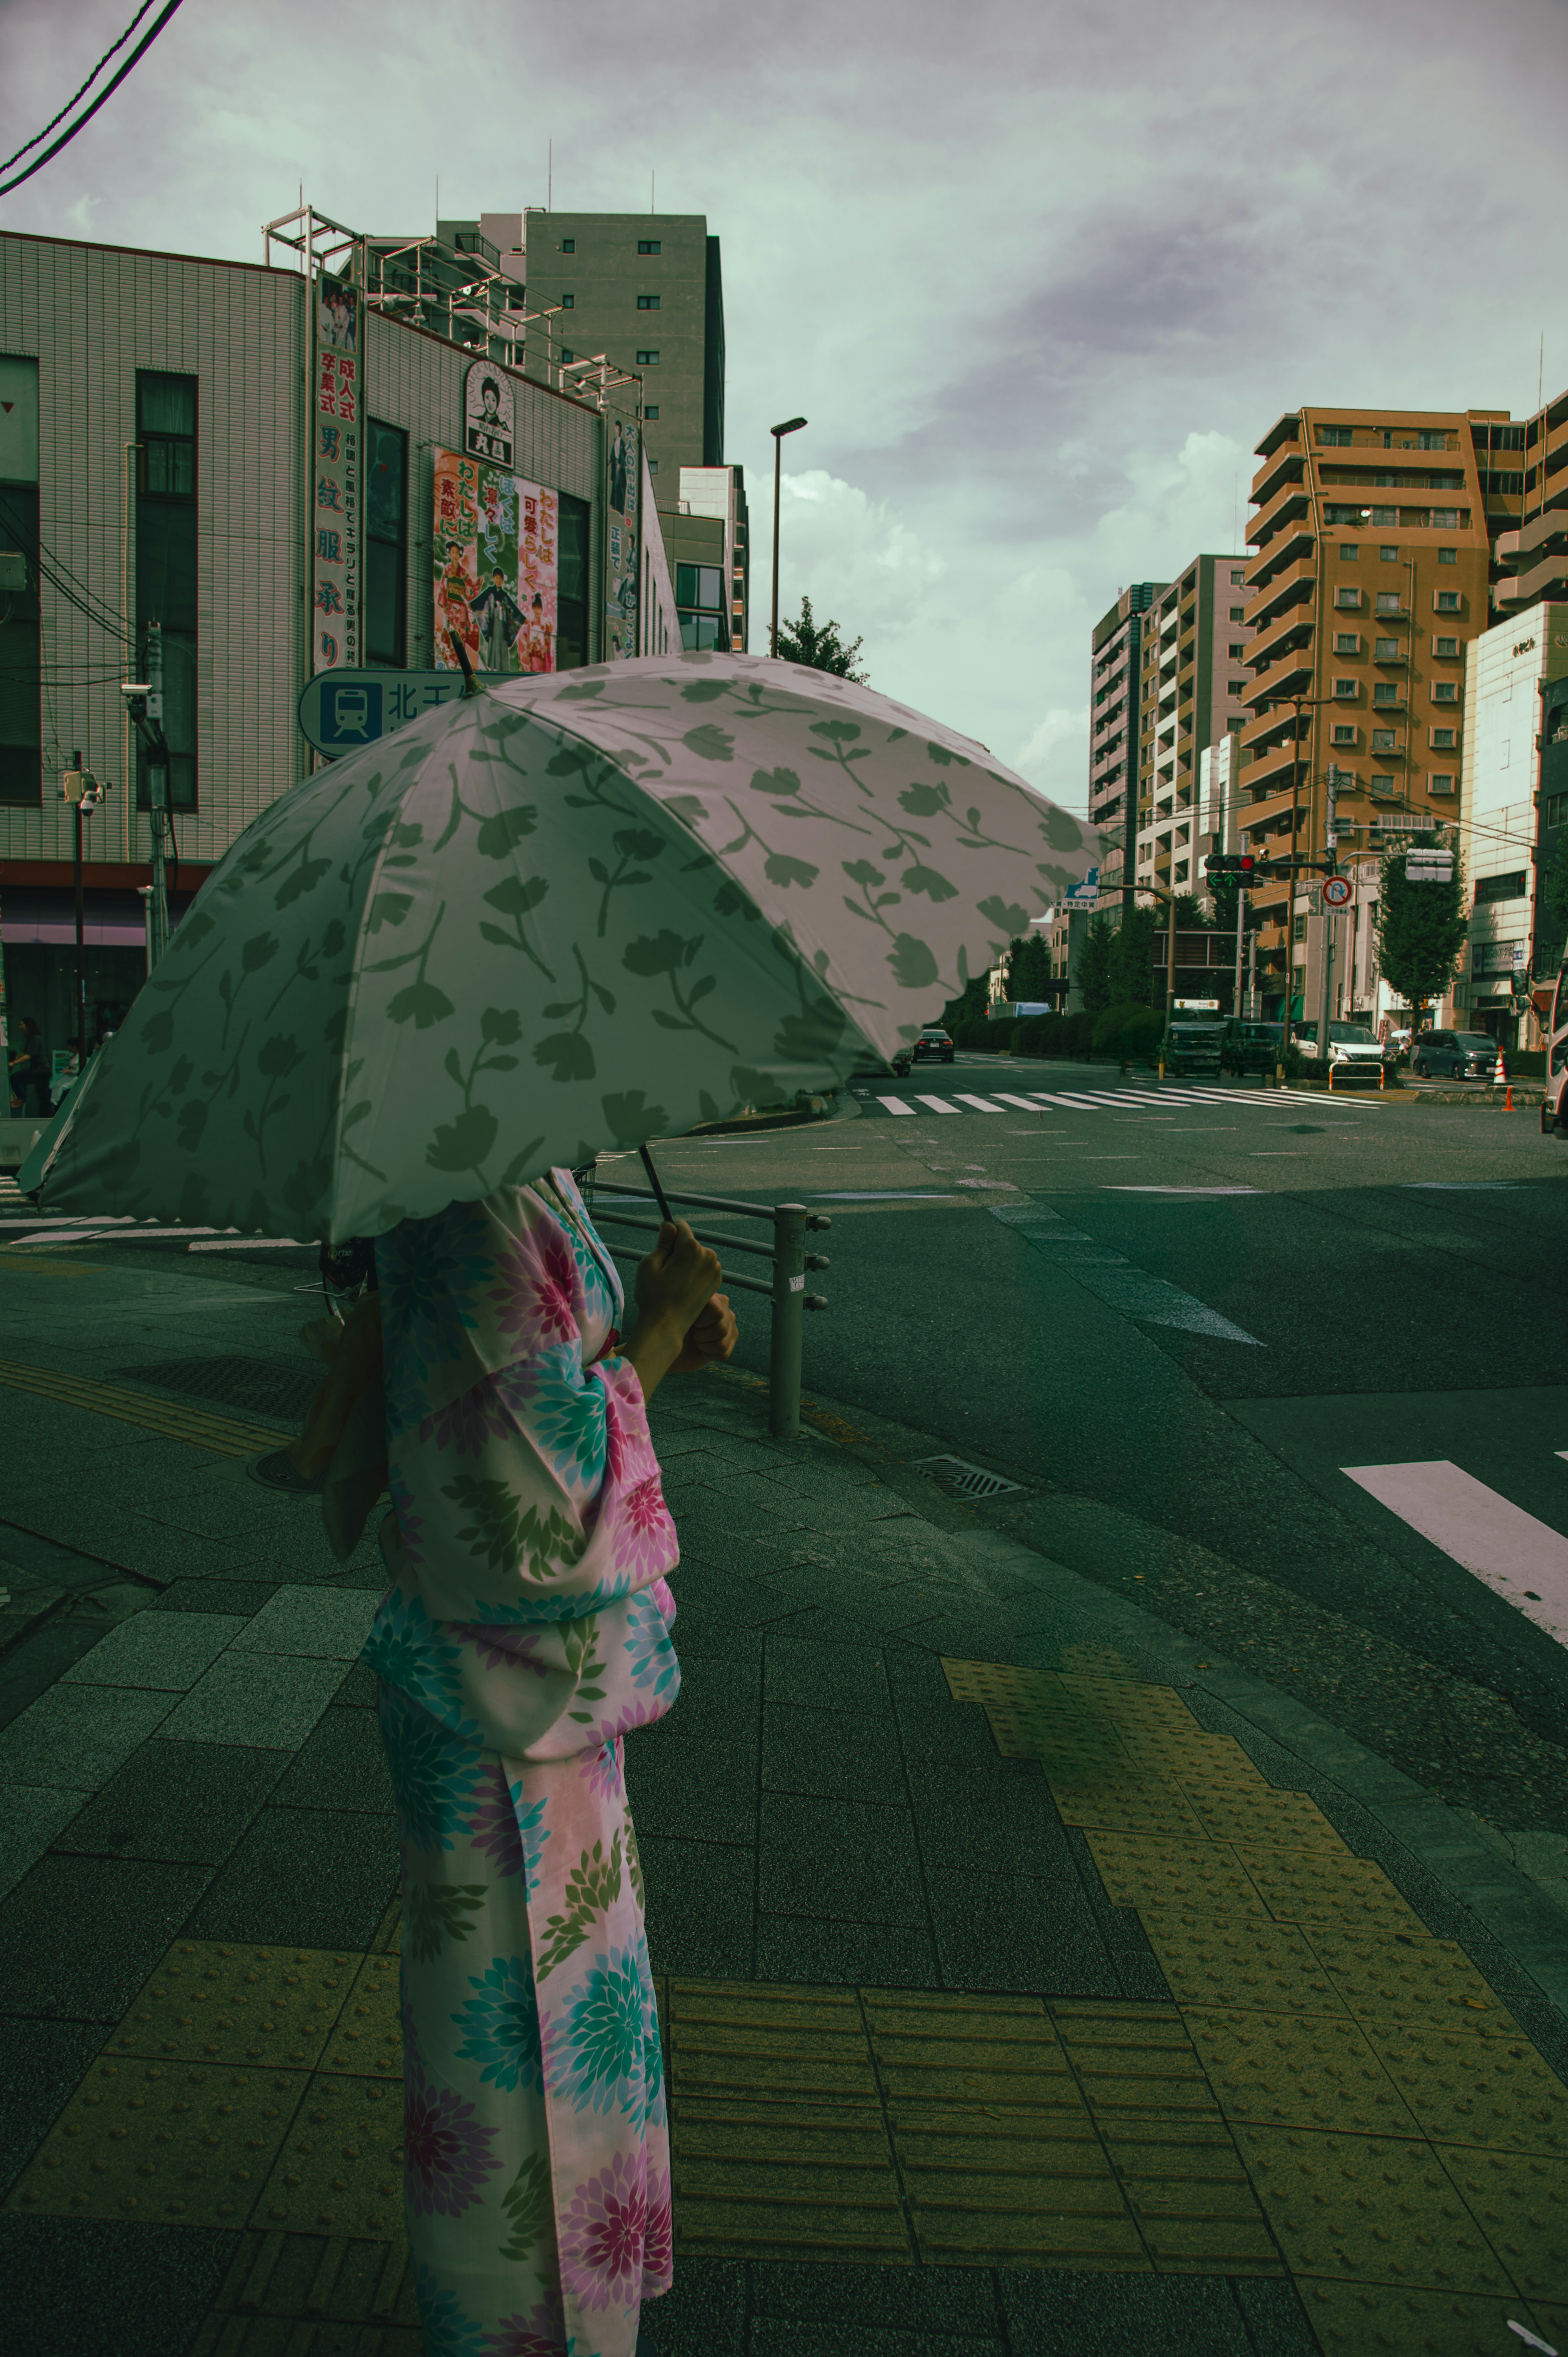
(703, 2312)
(79, 1935)
(773, 2336)
(73, 1738)
(691, 1789)
(40, 1660)
(1273, 2314)
(80, 2288)
(343, 1766)
(39, 2073)
(34, 1815)
(827, 1677)
(719, 1697)
(188, 1804)
(699, 1906)
(313, 1878)
(1011, 1932)
(358, 1690)
(833, 1754)
(857, 1604)
(955, 2300)
(864, 1955)
(1052, 2312)
(330, 1623)
(839, 1859)
(267, 1699)
(244, 1597)
(993, 1824)
(160, 1650)
(703, 1626)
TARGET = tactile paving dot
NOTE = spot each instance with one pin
(1361, 2319)
(1247, 1962)
(368, 2039)
(1475, 2090)
(1131, 1706)
(341, 2167)
(162, 2142)
(237, 2004)
(990, 1681)
(1391, 1975)
(1320, 1886)
(1315, 2071)
(1140, 1872)
(1118, 1802)
(1521, 2203)
(1231, 1811)
(1369, 2209)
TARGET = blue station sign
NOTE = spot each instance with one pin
(341, 710)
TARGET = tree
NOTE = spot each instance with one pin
(1093, 975)
(1131, 962)
(1422, 929)
(970, 1004)
(818, 645)
(1029, 968)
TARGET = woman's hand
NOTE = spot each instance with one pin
(712, 1334)
(674, 1286)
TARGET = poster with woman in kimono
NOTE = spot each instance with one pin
(495, 566)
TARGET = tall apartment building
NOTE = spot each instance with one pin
(1116, 657)
(1191, 689)
(1370, 576)
(708, 540)
(1535, 555)
(1514, 825)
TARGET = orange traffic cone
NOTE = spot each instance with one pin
(1499, 1070)
(1507, 1100)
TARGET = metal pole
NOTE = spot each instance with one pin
(788, 1320)
(1241, 936)
(157, 792)
(80, 927)
(778, 485)
(1170, 972)
(1331, 868)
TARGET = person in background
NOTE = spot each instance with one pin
(30, 1071)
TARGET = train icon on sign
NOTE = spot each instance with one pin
(350, 716)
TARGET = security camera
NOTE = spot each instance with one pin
(129, 687)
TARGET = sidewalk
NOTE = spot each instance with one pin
(1034, 1984)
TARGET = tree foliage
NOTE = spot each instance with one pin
(1132, 961)
(818, 645)
(1422, 929)
(1029, 968)
(1093, 975)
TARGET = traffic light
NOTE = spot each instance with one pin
(1428, 867)
(1240, 865)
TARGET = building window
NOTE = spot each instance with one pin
(1238, 613)
(1448, 601)
(1346, 687)
(1556, 809)
(568, 302)
(1445, 519)
(1443, 740)
(1444, 646)
(1348, 643)
(647, 245)
(1298, 929)
(1237, 575)
(1441, 782)
(567, 356)
(648, 302)
(647, 360)
(1237, 652)
(1344, 734)
(699, 594)
(1383, 740)
(1333, 437)
(653, 466)
(166, 566)
(1349, 552)
(1388, 601)
(651, 413)
(1435, 440)
(1234, 727)
(1385, 516)
(1239, 687)
(1380, 785)
(568, 245)
(1501, 888)
(1388, 554)
(21, 670)
(1347, 598)
(1448, 556)
(1387, 651)
(386, 544)
(571, 584)
(1444, 691)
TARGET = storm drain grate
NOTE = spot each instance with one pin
(263, 1386)
(972, 1481)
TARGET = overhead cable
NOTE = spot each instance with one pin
(86, 86)
(85, 117)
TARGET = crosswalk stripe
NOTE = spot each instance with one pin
(981, 1104)
(1521, 1559)
(897, 1104)
(1022, 1102)
(938, 1104)
(1270, 1100)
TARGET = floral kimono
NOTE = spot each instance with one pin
(526, 1628)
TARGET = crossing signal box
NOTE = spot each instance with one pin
(1238, 864)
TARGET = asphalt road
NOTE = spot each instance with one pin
(1355, 1283)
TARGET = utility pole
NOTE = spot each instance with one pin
(1330, 868)
(80, 788)
(158, 788)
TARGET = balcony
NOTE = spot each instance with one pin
(1285, 463)
(1284, 634)
(1290, 544)
(1294, 586)
(1284, 506)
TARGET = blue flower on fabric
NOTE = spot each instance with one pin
(428, 1270)
(500, 2025)
(437, 1777)
(535, 1834)
(597, 2041)
(404, 1647)
(449, 2331)
(653, 1661)
(567, 1417)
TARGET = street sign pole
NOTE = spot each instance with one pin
(1330, 868)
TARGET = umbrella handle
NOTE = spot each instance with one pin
(660, 1197)
(461, 652)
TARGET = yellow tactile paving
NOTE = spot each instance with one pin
(1463, 2089)
(1285, 2070)
(1355, 2319)
(239, 2004)
(1520, 2201)
(366, 2039)
(1140, 1871)
(156, 2142)
(1327, 1885)
(1394, 1977)
(174, 1420)
(340, 2165)
(1370, 2209)
(1246, 1962)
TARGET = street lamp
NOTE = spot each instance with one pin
(790, 426)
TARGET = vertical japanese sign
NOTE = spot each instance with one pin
(336, 410)
(494, 552)
(621, 550)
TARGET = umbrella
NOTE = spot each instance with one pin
(569, 912)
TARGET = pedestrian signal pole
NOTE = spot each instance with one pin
(1243, 866)
(1330, 868)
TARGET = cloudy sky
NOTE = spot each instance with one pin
(1038, 274)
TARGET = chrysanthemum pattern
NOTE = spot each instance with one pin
(463, 1425)
(414, 1654)
(500, 2025)
(541, 2334)
(436, 1776)
(447, 2149)
(642, 1533)
(427, 1269)
(653, 1661)
(603, 2236)
(568, 1414)
(596, 2038)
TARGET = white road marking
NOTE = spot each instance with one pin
(100, 1234)
(1520, 1558)
(896, 1105)
(981, 1104)
(884, 1195)
(1459, 1186)
(1126, 1187)
(1114, 1280)
(938, 1104)
(254, 1244)
(1023, 1103)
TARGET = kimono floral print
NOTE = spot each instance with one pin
(526, 1628)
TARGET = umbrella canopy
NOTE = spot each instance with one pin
(569, 912)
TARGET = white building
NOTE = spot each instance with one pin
(1501, 826)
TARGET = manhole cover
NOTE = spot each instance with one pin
(972, 1481)
(263, 1386)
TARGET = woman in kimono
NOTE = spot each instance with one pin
(526, 1628)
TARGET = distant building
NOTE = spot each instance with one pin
(707, 536)
(1192, 684)
(1534, 555)
(1514, 822)
(1115, 723)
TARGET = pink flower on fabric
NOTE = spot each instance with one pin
(538, 1294)
(542, 2334)
(603, 1772)
(657, 2257)
(446, 2152)
(464, 1423)
(644, 1532)
(602, 2237)
(617, 1440)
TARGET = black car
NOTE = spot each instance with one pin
(933, 1047)
(1454, 1055)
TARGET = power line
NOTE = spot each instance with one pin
(86, 86)
(82, 120)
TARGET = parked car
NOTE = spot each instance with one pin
(1193, 1046)
(1454, 1055)
(934, 1046)
(1352, 1047)
(1254, 1047)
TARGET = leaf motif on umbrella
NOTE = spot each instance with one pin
(1061, 831)
(305, 878)
(775, 782)
(807, 1038)
(388, 909)
(927, 880)
(703, 690)
(569, 1056)
(505, 831)
(462, 1144)
(922, 801)
(633, 843)
(515, 896)
(192, 1122)
(1005, 914)
(258, 951)
(780, 869)
(667, 953)
(709, 743)
(912, 963)
(420, 1004)
(157, 1032)
(632, 1121)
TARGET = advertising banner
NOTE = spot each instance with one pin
(621, 554)
(335, 418)
(495, 557)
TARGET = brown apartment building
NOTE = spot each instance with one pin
(1193, 687)
(1374, 536)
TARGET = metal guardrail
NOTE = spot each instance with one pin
(786, 1288)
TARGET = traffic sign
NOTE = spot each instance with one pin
(1337, 891)
(339, 710)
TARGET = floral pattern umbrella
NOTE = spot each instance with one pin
(568, 912)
